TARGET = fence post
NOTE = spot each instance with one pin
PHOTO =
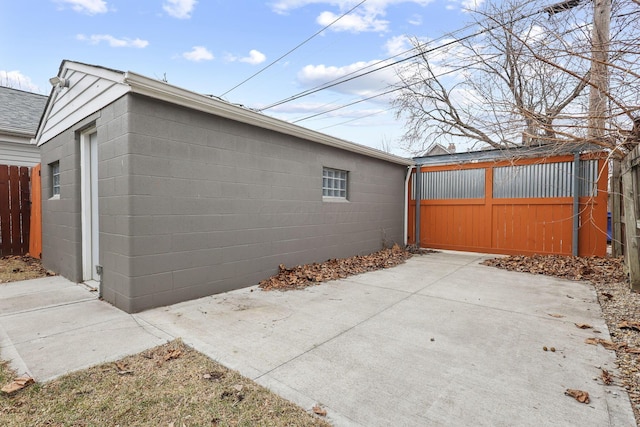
(576, 204)
(418, 187)
(629, 188)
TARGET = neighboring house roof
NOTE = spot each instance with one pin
(436, 149)
(20, 111)
(92, 88)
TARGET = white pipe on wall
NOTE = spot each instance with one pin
(406, 203)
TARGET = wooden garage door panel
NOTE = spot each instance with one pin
(541, 225)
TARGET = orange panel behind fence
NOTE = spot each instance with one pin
(502, 216)
(35, 238)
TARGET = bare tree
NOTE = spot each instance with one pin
(522, 80)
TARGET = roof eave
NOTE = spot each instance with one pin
(169, 93)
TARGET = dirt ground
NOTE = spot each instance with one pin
(15, 268)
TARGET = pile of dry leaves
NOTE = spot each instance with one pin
(593, 269)
(620, 308)
(311, 274)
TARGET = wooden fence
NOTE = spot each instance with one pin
(521, 206)
(631, 199)
(15, 210)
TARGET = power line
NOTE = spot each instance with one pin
(342, 79)
(454, 70)
(405, 86)
(294, 49)
(300, 94)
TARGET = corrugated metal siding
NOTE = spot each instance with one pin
(454, 184)
(588, 178)
(544, 180)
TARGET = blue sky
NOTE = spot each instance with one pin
(209, 46)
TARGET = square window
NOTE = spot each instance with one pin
(334, 183)
(55, 179)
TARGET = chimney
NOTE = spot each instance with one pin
(452, 148)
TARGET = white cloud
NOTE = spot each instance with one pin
(198, 53)
(113, 41)
(371, 84)
(367, 17)
(397, 45)
(354, 23)
(180, 9)
(255, 57)
(415, 19)
(16, 80)
(90, 7)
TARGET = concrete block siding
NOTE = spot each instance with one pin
(192, 204)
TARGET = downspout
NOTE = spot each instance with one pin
(576, 203)
(418, 187)
(406, 203)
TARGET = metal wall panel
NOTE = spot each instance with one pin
(453, 184)
(544, 180)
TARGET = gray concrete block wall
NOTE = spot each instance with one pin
(192, 204)
(212, 205)
(61, 244)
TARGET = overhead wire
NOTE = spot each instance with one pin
(401, 87)
(454, 70)
(342, 79)
(294, 49)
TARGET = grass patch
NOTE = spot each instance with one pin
(169, 385)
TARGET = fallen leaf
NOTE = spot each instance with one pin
(584, 325)
(213, 376)
(17, 384)
(606, 377)
(607, 295)
(625, 324)
(609, 345)
(173, 354)
(594, 269)
(556, 315)
(579, 395)
(319, 411)
(121, 366)
(311, 274)
(635, 350)
(238, 387)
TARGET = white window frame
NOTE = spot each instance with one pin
(55, 179)
(335, 184)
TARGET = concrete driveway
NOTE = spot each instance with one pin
(440, 340)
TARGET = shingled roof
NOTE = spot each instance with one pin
(20, 111)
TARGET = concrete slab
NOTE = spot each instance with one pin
(39, 293)
(438, 341)
(51, 326)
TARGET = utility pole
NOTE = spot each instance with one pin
(598, 109)
(599, 75)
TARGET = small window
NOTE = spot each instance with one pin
(55, 179)
(334, 183)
